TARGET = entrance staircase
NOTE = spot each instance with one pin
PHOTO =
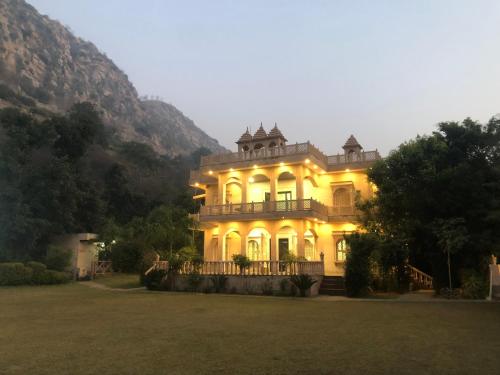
(332, 286)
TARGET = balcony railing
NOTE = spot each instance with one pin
(256, 268)
(288, 150)
(278, 207)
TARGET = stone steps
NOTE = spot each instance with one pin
(332, 286)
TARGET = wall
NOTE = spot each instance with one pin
(248, 284)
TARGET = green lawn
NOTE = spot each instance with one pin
(75, 329)
(119, 280)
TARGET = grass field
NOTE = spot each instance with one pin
(119, 280)
(75, 329)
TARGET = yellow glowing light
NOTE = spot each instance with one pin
(282, 164)
(315, 219)
(251, 180)
(255, 166)
(347, 170)
(231, 169)
(315, 167)
(307, 161)
(210, 172)
(196, 184)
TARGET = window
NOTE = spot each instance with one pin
(341, 250)
(309, 249)
(341, 198)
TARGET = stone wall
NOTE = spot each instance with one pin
(279, 285)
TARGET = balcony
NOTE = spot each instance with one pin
(265, 210)
(291, 153)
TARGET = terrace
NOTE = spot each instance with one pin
(289, 153)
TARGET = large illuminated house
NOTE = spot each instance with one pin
(271, 198)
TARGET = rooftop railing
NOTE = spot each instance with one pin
(288, 150)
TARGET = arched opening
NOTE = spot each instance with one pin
(310, 245)
(245, 148)
(309, 187)
(286, 241)
(341, 250)
(286, 191)
(341, 197)
(232, 244)
(232, 192)
(258, 146)
(259, 189)
(258, 244)
(272, 144)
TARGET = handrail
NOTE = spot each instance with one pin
(265, 207)
(420, 277)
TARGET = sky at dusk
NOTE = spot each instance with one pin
(384, 71)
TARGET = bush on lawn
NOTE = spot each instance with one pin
(155, 280)
(58, 258)
(15, 274)
(219, 282)
(474, 285)
(127, 256)
(51, 277)
(358, 264)
(303, 283)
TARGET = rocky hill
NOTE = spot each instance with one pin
(45, 68)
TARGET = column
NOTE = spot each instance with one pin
(243, 246)
(244, 188)
(220, 190)
(272, 184)
(300, 239)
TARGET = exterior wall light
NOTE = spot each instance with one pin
(210, 172)
(347, 170)
(315, 167)
(251, 180)
(255, 166)
(307, 161)
(231, 169)
(282, 164)
(196, 184)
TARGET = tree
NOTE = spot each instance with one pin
(454, 173)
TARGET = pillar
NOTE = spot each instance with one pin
(220, 192)
(243, 246)
(300, 239)
(272, 184)
(244, 188)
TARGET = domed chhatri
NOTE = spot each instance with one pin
(261, 139)
(260, 133)
(245, 137)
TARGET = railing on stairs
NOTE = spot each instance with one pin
(421, 278)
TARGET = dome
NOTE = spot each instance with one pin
(260, 133)
(245, 137)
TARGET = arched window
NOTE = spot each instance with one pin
(341, 198)
(272, 144)
(309, 249)
(341, 250)
(245, 148)
(253, 250)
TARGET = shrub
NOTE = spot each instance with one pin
(58, 258)
(15, 274)
(127, 256)
(357, 266)
(241, 261)
(194, 280)
(155, 280)
(37, 267)
(267, 288)
(51, 277)
(474, 285)
(303, 282)
(219, 282)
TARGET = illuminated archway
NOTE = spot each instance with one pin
(259, 188)
(232, 191)
(258, 245)
(232, 244)
(286, 188)
(286, 242)
(310, 245)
